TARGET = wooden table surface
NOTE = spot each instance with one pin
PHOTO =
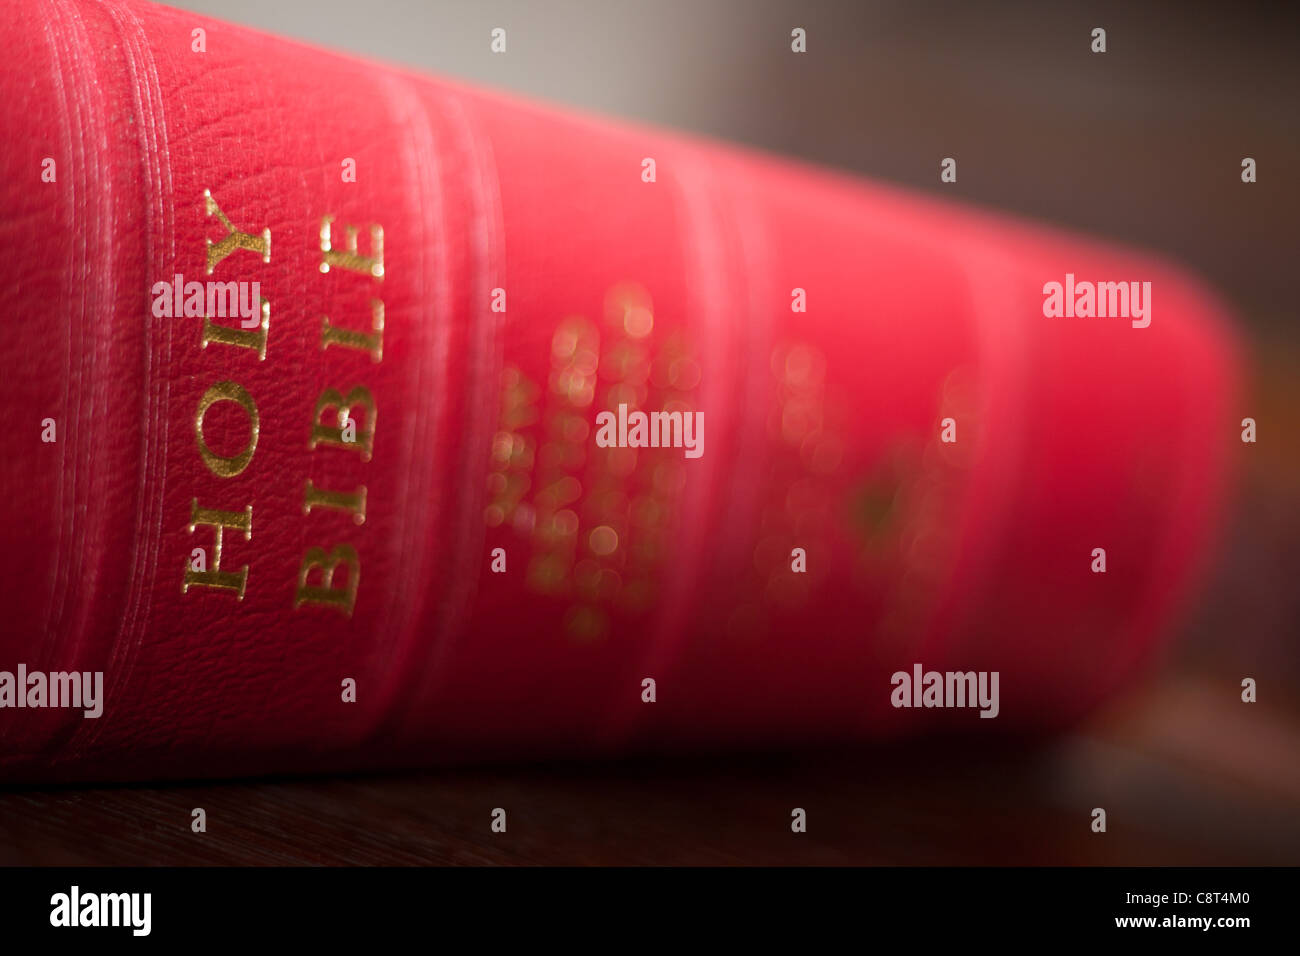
(1167, 765)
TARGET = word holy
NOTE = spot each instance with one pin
(1101, 299)
(56, 689)
(949, 689)
(653, 430)
(103, 909)
(197, 300)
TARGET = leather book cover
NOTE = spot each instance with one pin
(360, 418)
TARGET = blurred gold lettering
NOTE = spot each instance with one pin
(348, 257)
(372, 342)
(326, 594)
(240, 338)
(333, 435)
(234, 239)
(227, 392)
(352, 502)
(214, 577)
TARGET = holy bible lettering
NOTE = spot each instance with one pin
(333, 425)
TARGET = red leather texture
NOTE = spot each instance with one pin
(821, 427)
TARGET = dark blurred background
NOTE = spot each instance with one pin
(1142, 144)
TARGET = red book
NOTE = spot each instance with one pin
(359, 418)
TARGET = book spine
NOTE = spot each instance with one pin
(351, 374)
